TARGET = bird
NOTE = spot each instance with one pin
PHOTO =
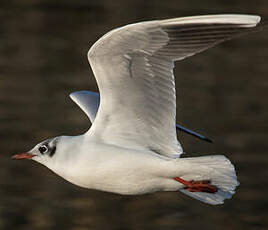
(132, 146)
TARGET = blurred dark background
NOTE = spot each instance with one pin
(222, 93)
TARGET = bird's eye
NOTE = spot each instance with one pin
(43, 149)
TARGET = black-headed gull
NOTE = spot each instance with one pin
(132, 146)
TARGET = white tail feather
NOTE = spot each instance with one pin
(219, 171)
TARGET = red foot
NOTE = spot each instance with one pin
(197, 186)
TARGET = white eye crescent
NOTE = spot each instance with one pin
(43, 149)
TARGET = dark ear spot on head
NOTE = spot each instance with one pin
(52, 151)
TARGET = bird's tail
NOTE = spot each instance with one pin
(219, 174)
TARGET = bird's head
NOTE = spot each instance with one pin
(42, 152)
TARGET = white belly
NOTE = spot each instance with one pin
(126, 172)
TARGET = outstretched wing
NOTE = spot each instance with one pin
(133, 66)
(88, 101)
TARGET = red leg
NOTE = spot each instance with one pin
(197, 186)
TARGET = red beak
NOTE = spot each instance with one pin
(22, 156)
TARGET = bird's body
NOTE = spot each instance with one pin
(122, 170)
(117, 169)
(132, 146)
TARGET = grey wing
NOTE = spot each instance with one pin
(88, 101)
(133, 66)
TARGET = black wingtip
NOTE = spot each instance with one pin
(197, 135)
(207, 140)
